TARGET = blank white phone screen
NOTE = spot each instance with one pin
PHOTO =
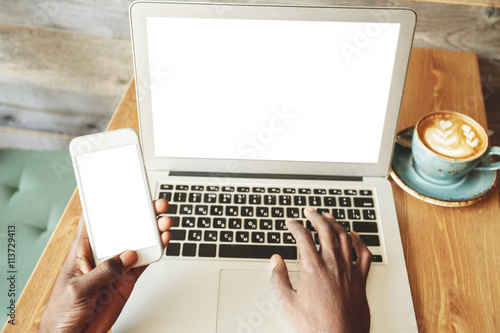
(115, 197)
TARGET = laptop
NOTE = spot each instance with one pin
(248, 114)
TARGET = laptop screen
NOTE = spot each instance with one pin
(275, 90)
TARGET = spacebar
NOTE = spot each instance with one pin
(256, 251)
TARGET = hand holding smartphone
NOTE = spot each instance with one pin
(115, 196)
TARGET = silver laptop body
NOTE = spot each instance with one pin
(266, 101)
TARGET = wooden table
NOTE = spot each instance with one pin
(452, 254)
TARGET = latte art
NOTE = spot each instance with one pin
(452, 135)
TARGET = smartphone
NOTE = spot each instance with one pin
(115, 196)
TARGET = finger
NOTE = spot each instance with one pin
(161, 206)
(344, 239)
(364, 260)
(165, 223)
(280, 279)
(165, 238)
(80, 253)
(305, 243)
(328, 238)
(106, 272)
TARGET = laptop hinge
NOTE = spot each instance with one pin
(262, 175)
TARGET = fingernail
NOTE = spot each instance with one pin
(128, 258)
(274, 261)
(354, 233)
(310, 209)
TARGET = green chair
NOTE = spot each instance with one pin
(35, 187)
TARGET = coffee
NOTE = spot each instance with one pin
(452, 135)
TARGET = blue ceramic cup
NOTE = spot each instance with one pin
(447, 145)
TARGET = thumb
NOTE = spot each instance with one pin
(107, 271)
(280, 279)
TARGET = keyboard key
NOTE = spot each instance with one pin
(210, 198)
(180, 197)
(365, 192)
(339, 214)
(277, 212)
(243, 189)
(246, 211)
(292, 212)
(207, 250)
(258, 190)
(258, 237)
(354, 214)
(203, 222)
(288, 238)
(345, 225)
(369, 214)
(365, 226)
(330, 201)
(273, 190)
(216, 210)
(255, 199)
(270, 200)
(250, 224)
(304, 191)
(240, 198)
(345, 202)
(289, 190)
(226, 236)
(370, 240)
(314, 201)
(273, 237)
(316, 238)
(266, 224)
(234, 223)
(178, 234)
(363, 202)
(219, 223)
(280, 225)
(194, 235)
(213, 188)
(322, 210)
(350, 192)
(201, 210)
(262, 212)
(172, 209)
(197, 188)
(167, 187)
(285, 200)
(173, 249)
(188, 222)
(210, 236)
(227, 188)
(225, 198)
(254, 251)
(186, 209)
(299, 200)
(181, 187)
(194, 197)
(241, 237)
(335, 192)
(320, 191)
(176, 221)
(165, 195)
(231, 210)
(189, 250)
(310, 226)
(377, 258)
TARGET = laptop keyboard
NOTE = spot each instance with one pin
(244, 222)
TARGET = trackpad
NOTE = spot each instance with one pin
(247, 303)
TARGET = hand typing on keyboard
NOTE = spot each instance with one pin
(331, 296)
(87, 298)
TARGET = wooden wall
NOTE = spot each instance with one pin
(64, 64)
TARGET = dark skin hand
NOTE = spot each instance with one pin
(86, 298)
(331, 296)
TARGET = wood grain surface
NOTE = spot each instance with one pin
(452, 254)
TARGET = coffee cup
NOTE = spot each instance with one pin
(447, 145)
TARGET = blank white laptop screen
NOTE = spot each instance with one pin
(270, 89)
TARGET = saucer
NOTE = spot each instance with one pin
(474, 187)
